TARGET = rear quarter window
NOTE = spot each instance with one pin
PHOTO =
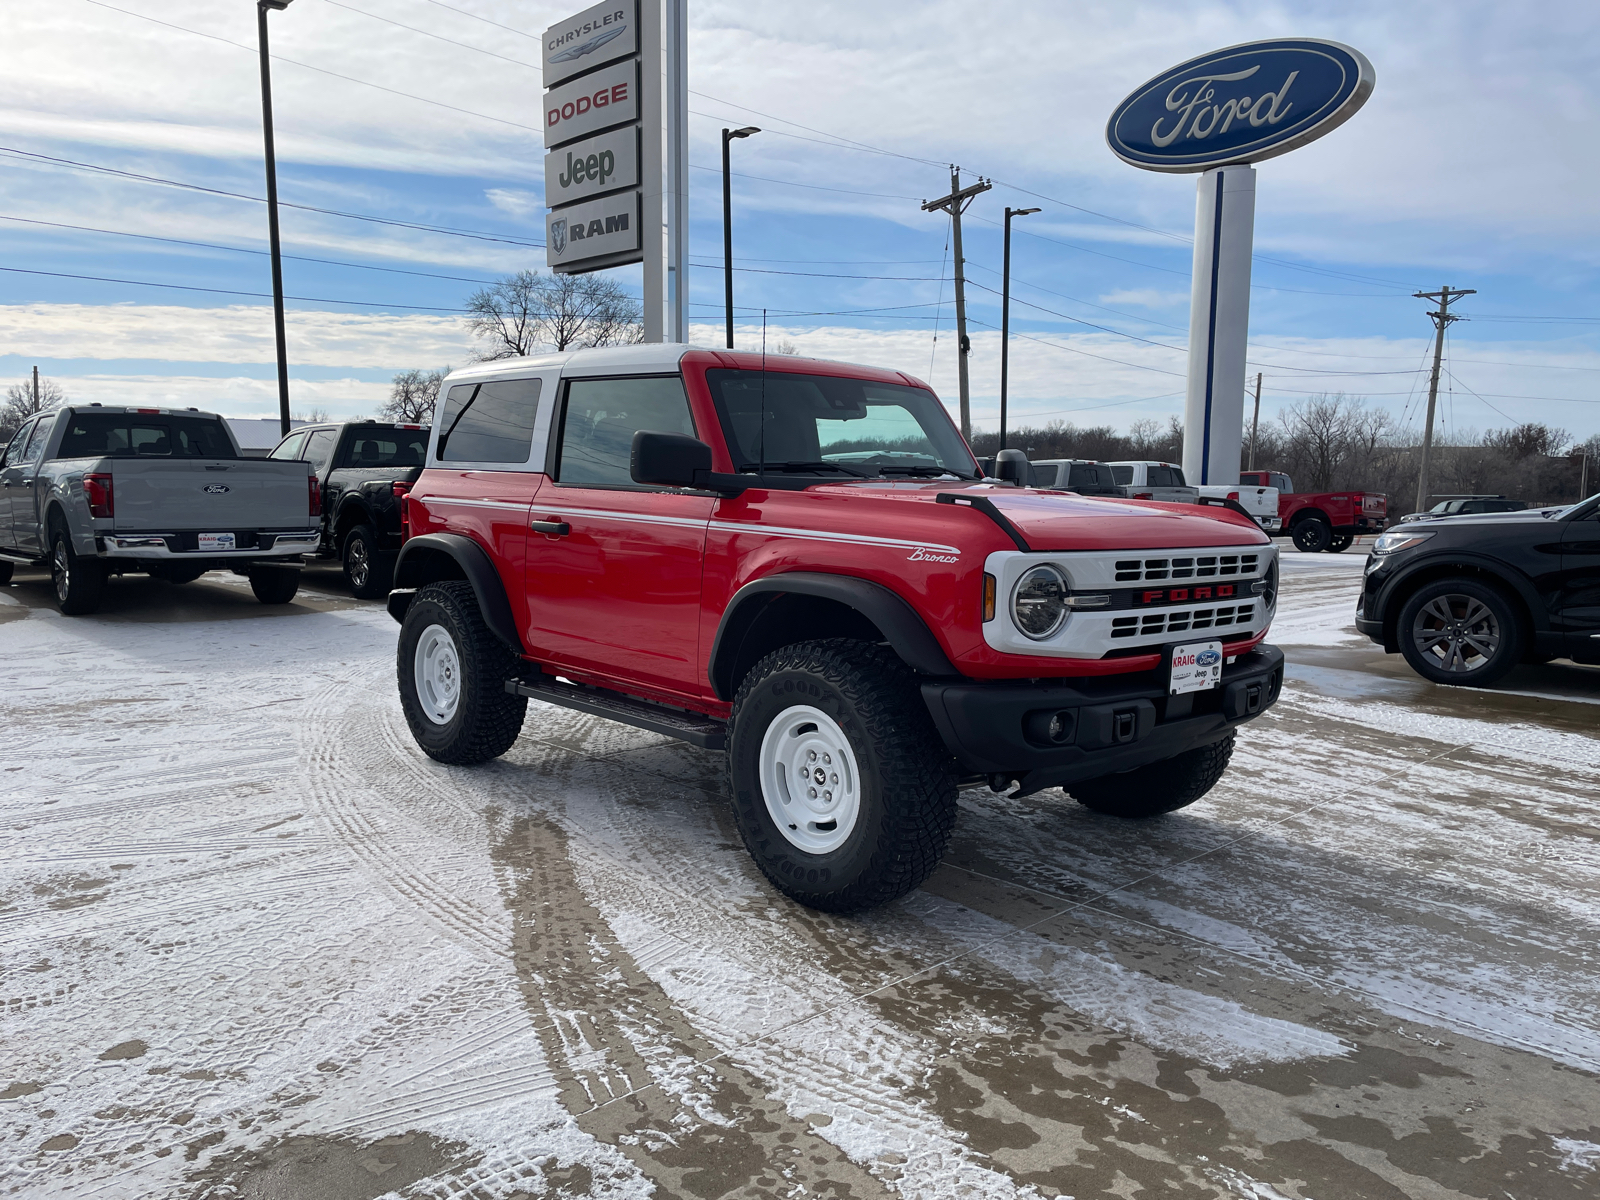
(489, 422)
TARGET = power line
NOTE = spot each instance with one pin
(478, 235)
(1085, 353)
(180, 287)
(438, 36)
(815, 187)
(485, 20)
(307, 66)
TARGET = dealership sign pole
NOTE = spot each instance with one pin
(616, 171)
(1216, 115)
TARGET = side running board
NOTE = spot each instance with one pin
(695, 728)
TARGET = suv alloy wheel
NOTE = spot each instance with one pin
(842, 790)
(1461, 631)
(452, 674)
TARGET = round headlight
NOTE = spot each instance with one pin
(1039, 603)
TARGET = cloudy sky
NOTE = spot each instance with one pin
(132, 237)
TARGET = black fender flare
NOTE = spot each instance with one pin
(1309, 514)
(417, 565)
(1443, 561)
(908, 635)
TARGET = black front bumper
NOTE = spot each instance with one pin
(1105, 725)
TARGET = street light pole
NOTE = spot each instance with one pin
(1005, 318)
(729, 135)
(262, 7)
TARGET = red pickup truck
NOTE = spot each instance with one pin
(799, 563)
(1322, 520)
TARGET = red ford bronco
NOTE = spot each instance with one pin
(800, 563)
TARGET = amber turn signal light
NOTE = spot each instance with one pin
(988, 597)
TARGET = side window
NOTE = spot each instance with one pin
(1123, 476)
(489, 422)
(319, 448)
(601, 417)
(289, 448)
(1282, 482)
(41, 435)
(13, 454)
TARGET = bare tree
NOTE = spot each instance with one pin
(313, 416)
(528, 312)
(413, 395)
(20, 405)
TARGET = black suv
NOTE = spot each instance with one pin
(1467, 598)
(365, 468)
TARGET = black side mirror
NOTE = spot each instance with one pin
(669, 459)
(1013, 466)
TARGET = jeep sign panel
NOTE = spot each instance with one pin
(592, 166)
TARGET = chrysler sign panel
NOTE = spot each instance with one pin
(594, 37)
(1240, 105)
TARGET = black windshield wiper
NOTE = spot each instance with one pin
(800, 467)
(923, 472)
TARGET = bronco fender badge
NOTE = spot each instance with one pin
(920, 554)
(216, 489)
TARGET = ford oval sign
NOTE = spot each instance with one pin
(1240, 105)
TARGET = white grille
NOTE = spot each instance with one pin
(1155, 624)
(1189, 566)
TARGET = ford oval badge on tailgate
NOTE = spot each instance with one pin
(215, 489)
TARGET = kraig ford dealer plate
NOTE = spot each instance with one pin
(1195, 667)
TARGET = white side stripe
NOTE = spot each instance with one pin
(815, 535)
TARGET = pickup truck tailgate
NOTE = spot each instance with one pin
(174, 495)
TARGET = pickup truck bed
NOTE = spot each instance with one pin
(93, 491)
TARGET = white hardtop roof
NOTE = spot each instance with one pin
(641, 358)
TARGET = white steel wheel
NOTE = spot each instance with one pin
(809, 779)
(437, 664)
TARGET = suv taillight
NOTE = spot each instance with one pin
(102, 503)
(402, 493)
(313, 496)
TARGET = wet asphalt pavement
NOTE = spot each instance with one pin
(255, 944)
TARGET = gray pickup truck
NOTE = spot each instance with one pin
(91, 491)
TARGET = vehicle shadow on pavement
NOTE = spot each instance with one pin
(141, 599)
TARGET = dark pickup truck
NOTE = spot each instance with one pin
(365, 468)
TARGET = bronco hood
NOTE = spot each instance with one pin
(1050, 521)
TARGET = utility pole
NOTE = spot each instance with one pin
(1441, 320)
(1255, 424)
(955, 204)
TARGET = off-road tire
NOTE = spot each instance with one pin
(486, 720)
(1312, 535)
(907, 779)
(79, 583)
(274, 585)
(1509, 630)
(368, 570)
(5, 572)
(1340, 542)
(1158, 787)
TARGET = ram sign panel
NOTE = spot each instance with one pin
(609, 96)
(595, 36)
(599, 233)
(592, 166)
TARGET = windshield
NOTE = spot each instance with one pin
(824, 424)
(142, 435)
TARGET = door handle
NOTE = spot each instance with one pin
(558, 528)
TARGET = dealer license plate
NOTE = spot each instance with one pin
(218, 541)
(1195, 667)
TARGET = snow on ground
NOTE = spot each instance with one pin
(255, 943)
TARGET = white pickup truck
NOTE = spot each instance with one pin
(1142, 480)
(90, 491)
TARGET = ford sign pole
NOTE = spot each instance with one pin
(1215, 115)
